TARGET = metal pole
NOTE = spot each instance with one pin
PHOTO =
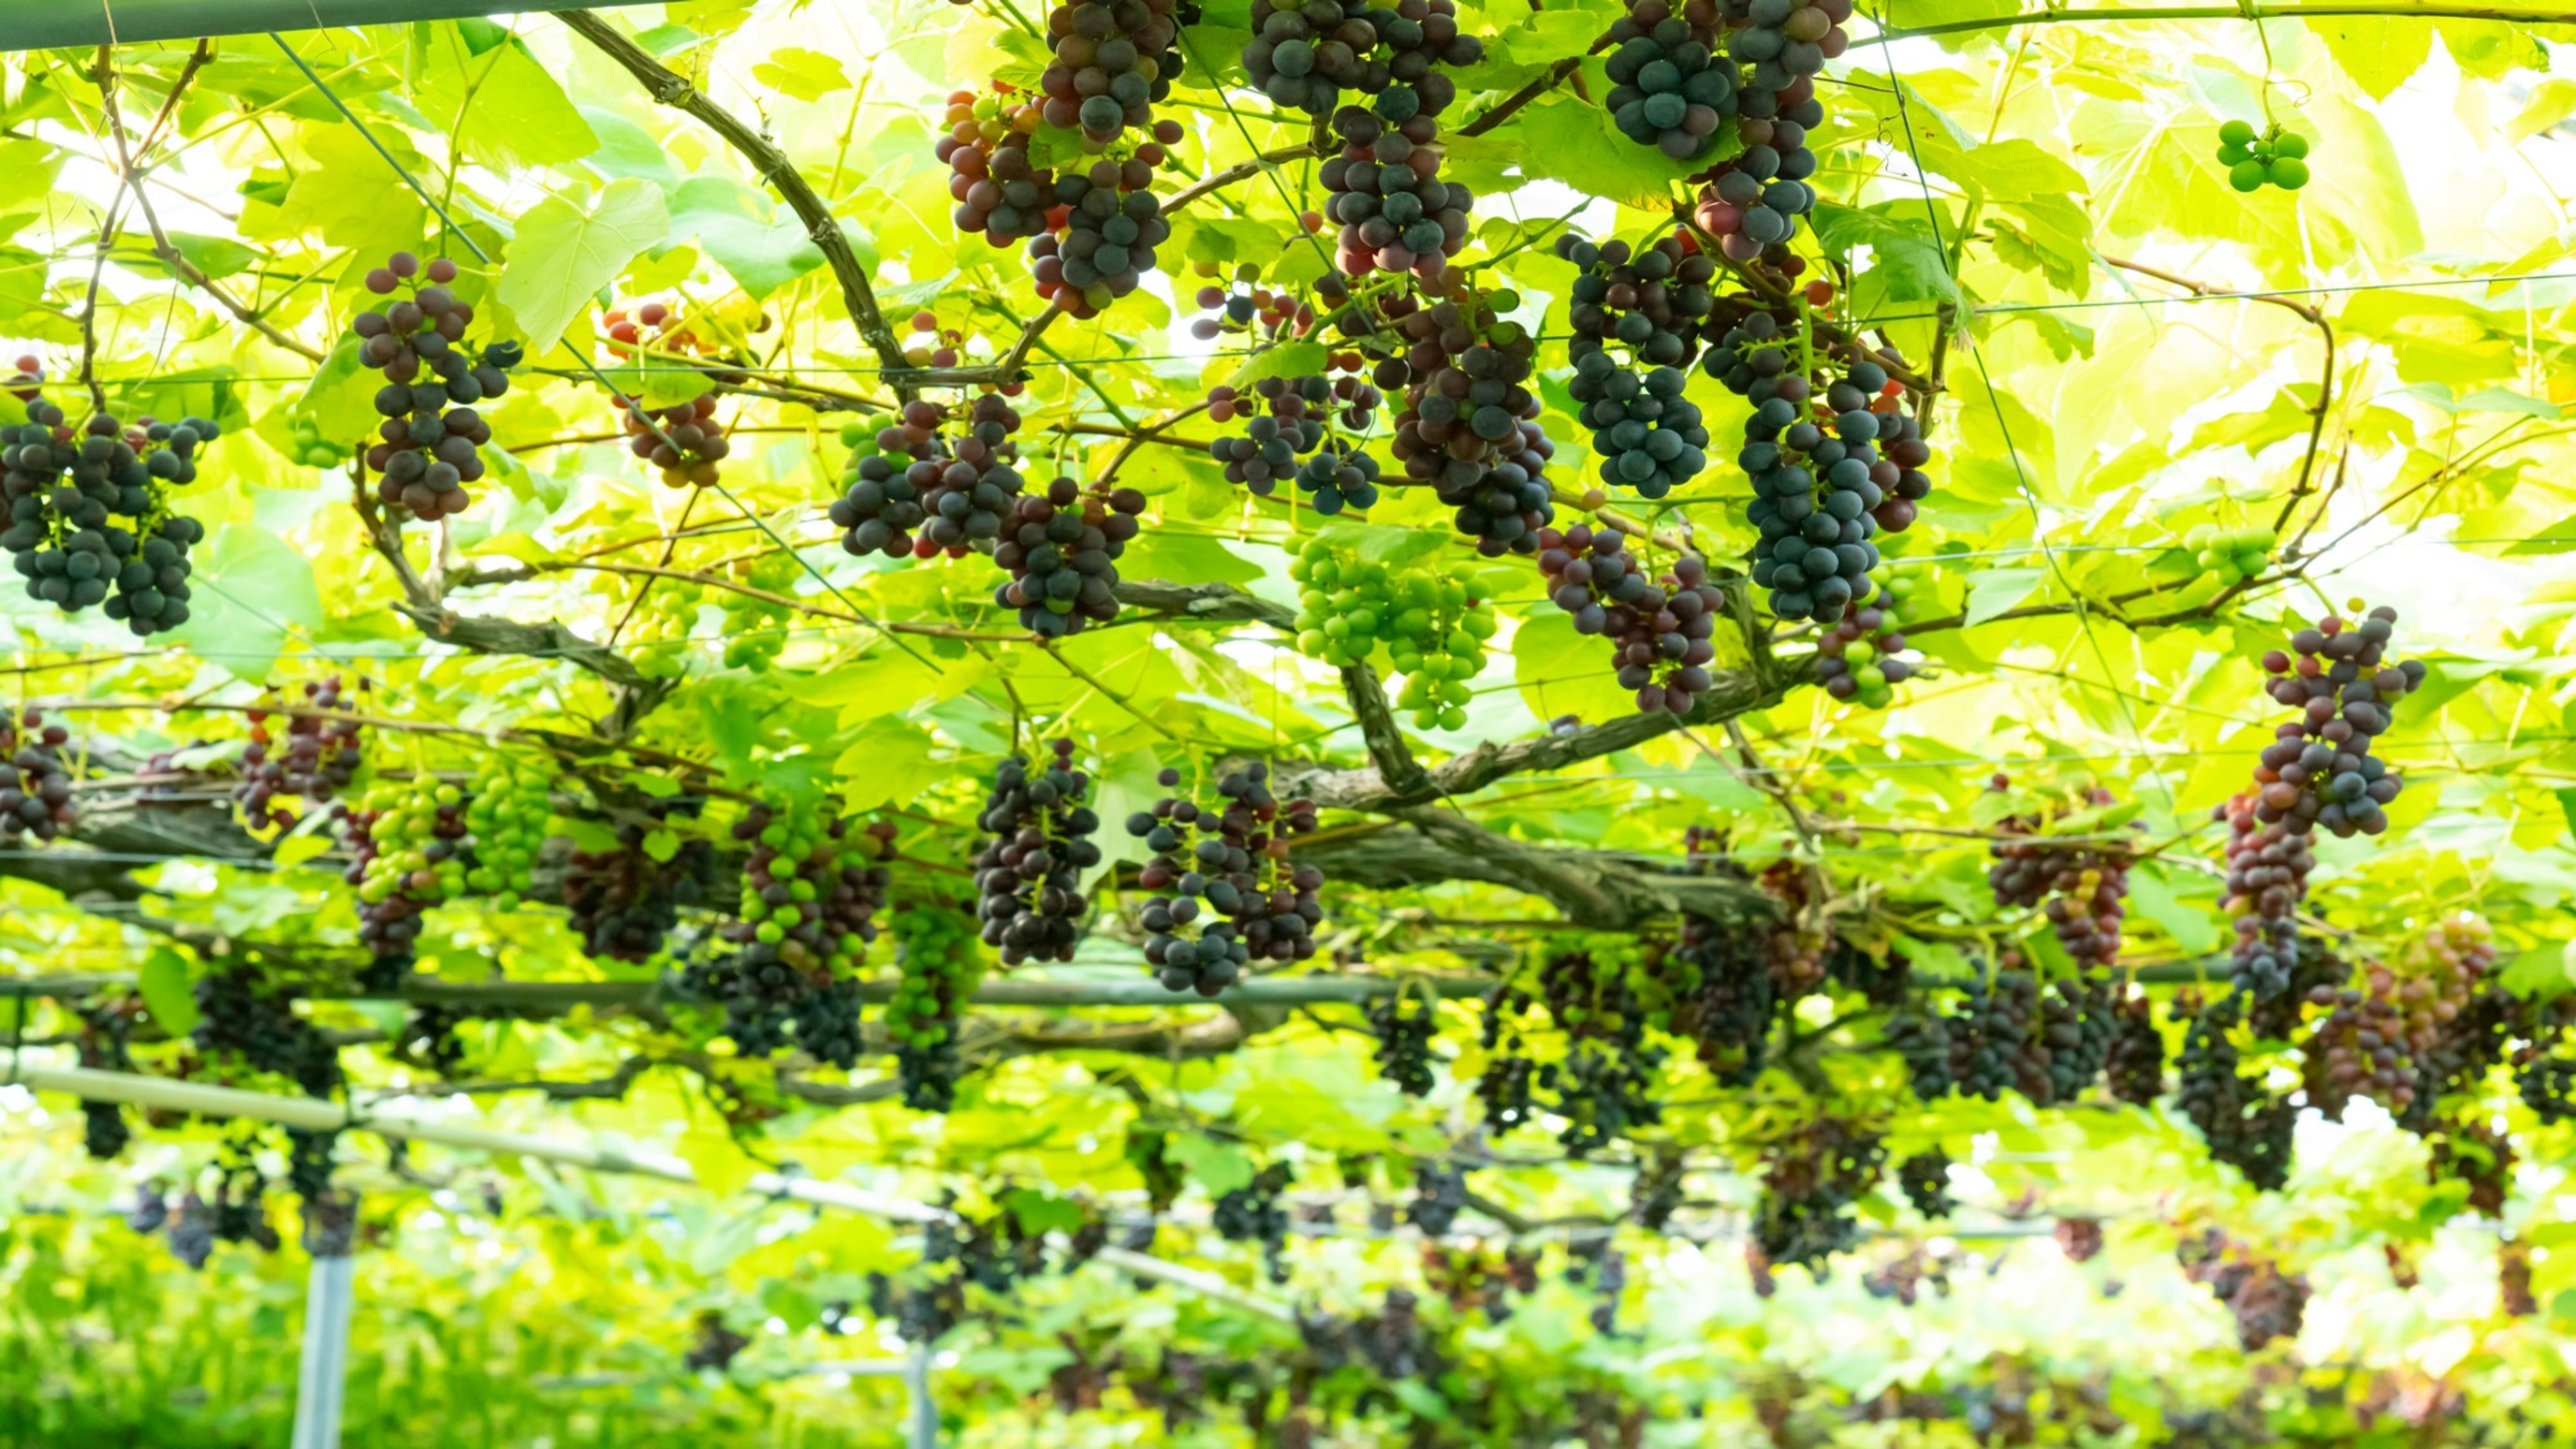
(44, 24)
(329, 1297)
(923, 1431)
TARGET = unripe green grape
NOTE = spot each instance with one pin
(2237, 133)
(2289, 173)
(2247, 176)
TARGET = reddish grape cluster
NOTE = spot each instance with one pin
(1751, 202)
(998, 193)
(2135, 1063)
(2082, 886)
(1107, 244)
(1108, 68)
(2267, 878)
(320, 760)
(2268, 1303)
(933, 346)
(35, 781)
(1394, 211)
(1659, 632)
(1304, 55)
(1266, 907)
(1254, 311)
(622, 902)
(1061, 548)
(427, 445)
(2320, 771)
(686, 441)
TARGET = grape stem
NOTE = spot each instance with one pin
(669, 88)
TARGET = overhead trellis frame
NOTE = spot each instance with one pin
(46, 24)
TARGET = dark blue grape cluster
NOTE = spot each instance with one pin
(1669, 89)
(1061, 548)
(1109, 235)
(62, 487)
(1636, 316)
(1304, 56)
(1394, 211)
(1753, 200)
(1469, 425)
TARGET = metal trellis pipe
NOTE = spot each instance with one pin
(45, 24)
(322, 1376)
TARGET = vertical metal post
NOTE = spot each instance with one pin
(923, 1431)
(329, 1298)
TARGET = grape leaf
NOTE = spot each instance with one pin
(563, 255)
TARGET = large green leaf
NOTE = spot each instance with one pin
(764, 247)
(564, 254)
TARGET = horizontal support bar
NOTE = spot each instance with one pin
(45, 24)
(503, 998)
(313, 1113)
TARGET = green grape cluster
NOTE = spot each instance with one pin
(2231, 555)
(755, 630)
(309, 448)
(1426, 624)
(665, 616)
(935, 949)
(2270, 157)
(505, 818)
(805, 870)
(412, 827)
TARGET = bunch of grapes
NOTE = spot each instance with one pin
(1810, 1180)
(1669, 89)
(1858, 659)
(2231, 555)
(2082, 888)
(426, 452)
(2268, 1303)
(1239, 868)
(1251, 1213)
(2476, 1154)
(308, 448)
(1504, 1088)
(322, 756)
(1247, 309)
(1110, 229)
(985, 147)
(60, 486)
(1828, 475)
(2010, 1035)
(1303, 56)
(236, 1017)
(957, 496)
(1604, 1087)
(1650, 305)
(655, 328)
(2544, 1072)
(622, 901)
(2135, 1063)
(755, 629)
(102, 1047)
(1335, 472)
(1659, 632)
(1107, 71)
(1395, 213)
(1729, 1014)
(2267, 877)
(406, 843)
(1404, 1025)
(935, 951)
(1028, 876)
(1439, 1195)
(1425, 622)
(35, 780)
(1754, 199)
(1468, 427)
(1924, 1178)
(811, 889)
(508, 805)
(1061, 548)
(2243, 1123)
(2320, 770)
(686, 440)
(2273, 156)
